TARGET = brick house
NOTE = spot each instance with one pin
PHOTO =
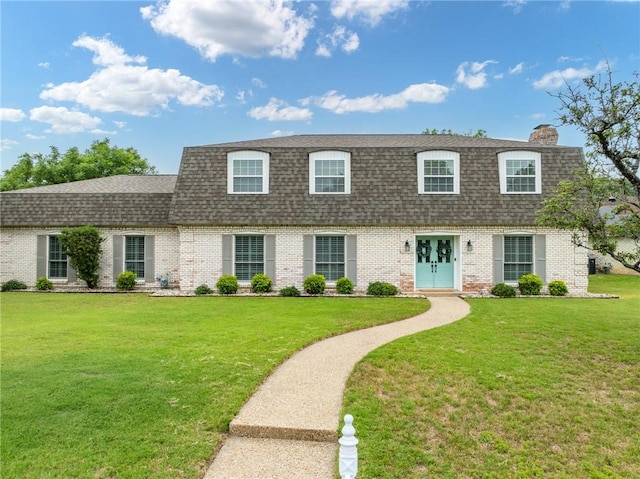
(422, 212)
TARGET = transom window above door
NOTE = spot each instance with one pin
(247, 172)
(330, 172)
(438, 172)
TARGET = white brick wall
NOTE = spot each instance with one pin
(381, 255)
(193, 255)
(18, 252)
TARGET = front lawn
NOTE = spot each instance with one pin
(521, 388)
(127, 386)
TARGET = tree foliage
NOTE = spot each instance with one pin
(434, 131)
(98, 161)
(608, 113)
(83, 246)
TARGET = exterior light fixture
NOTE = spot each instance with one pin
(469, 245)
(407, 246)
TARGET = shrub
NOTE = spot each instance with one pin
(558, 288)
(290, 291)
(503, 290)
(261, 283)
(380, 288)
(203, 289)
(13, 285)
(227, 284)
(83, 245)
(530, 285)
(344, 286)
(315, 284)
(126, 281)
(43, 284)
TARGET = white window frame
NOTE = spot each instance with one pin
(57, 278)
(505, 156)
(344, 254)
(235, 253)
(439, 155)
(247, 155)
(504, 261)
(139, 279)
(330, 155)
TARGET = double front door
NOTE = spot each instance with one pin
(434, 262)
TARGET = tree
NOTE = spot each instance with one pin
(434, 131)
(608, 113)
(83, 246)
(98, 161)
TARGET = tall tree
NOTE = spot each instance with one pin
(603, 199)
(99, 160)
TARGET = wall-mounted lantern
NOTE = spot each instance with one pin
(407, 246)
(469, 246)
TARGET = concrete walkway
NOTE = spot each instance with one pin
(288, 429)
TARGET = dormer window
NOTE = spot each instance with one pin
(330, 172)
(247, 172)
(438, 172)
(520, 172)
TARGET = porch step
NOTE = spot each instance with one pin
(439, 292)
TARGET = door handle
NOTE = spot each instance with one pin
(432, 266)
(436, 265)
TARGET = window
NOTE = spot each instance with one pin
(518, 257)
(248, 172)
(438, 172)
(520, 172)
(330, 172)
(329, 257)
(134, 255)
(249, 257)
(57, 259)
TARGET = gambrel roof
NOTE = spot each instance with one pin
(384, 188)
(384, 185)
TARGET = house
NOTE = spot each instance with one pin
(422, 212)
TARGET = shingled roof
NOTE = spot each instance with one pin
(384, 189)
(131, 200)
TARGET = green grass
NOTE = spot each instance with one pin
(521, 388)
(127, 386)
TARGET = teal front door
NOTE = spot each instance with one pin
(434, 262)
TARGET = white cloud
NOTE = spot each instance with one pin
(134, 89)
(517, 5)
(340, 36)
(475, 77)
(63, 120)
(519, 68)
(45, 65)
(278, 110)
(6, 144)
(259, 83)
(34, 137)
(419, 93)
(372, 11)
(558, 78)
(120, 124)
(279, 133)
(250, 28)
(11, 114)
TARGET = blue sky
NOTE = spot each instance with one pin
(158, 76)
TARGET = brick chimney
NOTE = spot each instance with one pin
(544, 135)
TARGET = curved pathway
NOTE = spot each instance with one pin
(288, 428)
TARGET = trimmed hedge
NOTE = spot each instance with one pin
(380, 288)
(315, 284)
(227, 284)
(344, 286)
